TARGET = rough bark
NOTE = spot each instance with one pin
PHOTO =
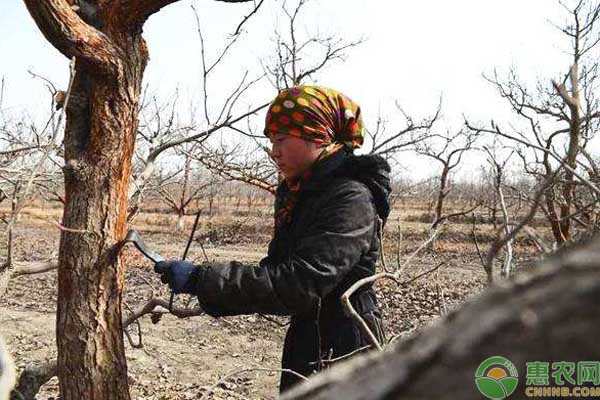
(99, 139)
(550, 316)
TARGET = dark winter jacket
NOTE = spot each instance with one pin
(331, 242)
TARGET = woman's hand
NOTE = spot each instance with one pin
(179, 275)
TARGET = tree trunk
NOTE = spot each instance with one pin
(572, 153)
(249, 199)
(439, 207)
(103, 38)
(180, 221)
(99, 139)
(110, 56)
(555, 225)
(551, 316)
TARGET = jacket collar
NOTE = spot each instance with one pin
(325, 170)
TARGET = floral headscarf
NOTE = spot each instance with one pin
(319, 115)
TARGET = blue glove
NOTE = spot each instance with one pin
(180, 275)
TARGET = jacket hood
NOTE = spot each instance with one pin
(371, 170)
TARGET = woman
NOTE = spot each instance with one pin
(328, 213)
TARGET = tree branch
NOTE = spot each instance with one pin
(156, 305)
(73, 37)
(138, 11)
(30, 268)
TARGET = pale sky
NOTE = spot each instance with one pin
(414, 51)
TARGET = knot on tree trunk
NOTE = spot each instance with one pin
(77, 170)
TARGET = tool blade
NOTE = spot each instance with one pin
(134, 237)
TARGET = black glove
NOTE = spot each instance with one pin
(180, 275)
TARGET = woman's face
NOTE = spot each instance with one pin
(293, 155)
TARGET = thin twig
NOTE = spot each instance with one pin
(350, 311)
(192, 233)
(501, 241)
(398, 244)
(423, 245)
(381, 250)
(139, 344)
(476, 242)
(334, 360)
(246, 18)
(280, 324)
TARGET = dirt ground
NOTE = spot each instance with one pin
(189, 358)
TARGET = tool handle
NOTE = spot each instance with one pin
(171, 301)
(189, 242)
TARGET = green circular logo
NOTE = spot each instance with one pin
(496, 378)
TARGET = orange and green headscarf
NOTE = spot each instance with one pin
(319, 115)
(316, 114)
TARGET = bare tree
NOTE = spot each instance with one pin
(109, 55)
(297, 58)
(240, 164)
(162, 128)
(158, 130)
(183, 188)
(499, 167)
(448, 150)
(405, 138)
(559, 118)
(28, 165)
